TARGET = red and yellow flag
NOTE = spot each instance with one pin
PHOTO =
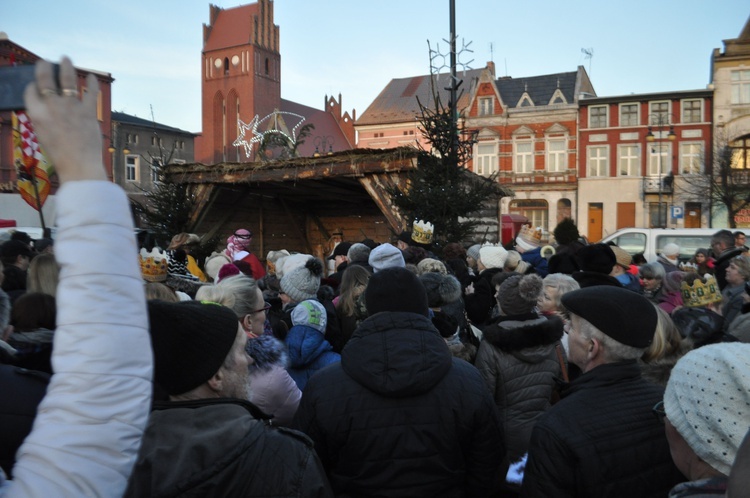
(33, 169)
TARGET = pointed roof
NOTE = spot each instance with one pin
(325, 127)
(739, 46)
(540, 89)
(397, 102)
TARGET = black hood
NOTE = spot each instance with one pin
(396, 354)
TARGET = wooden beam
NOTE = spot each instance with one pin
(198, 173)
(205, 196)
(294, 223)
(375, 186)
(320, 225)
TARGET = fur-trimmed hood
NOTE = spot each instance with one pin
(515, 333)
(267, 352)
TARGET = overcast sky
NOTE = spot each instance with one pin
(153, 48)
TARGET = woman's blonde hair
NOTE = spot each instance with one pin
(667, 338)
(44, 274)
(353, 284)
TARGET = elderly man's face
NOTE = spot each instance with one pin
(236, 379)
(578, 345)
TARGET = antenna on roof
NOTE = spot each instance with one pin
(492, 53)
(588, 54)
(506, 66)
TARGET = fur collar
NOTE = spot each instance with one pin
(512, 335)
(267, 351)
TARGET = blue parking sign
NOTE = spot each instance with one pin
(677, 212)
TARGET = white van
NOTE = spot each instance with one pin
(650, 241)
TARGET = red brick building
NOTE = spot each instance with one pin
(624, 172)
(241, 79)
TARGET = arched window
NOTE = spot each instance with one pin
(226, 66)
(268, 65)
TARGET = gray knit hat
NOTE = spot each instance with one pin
(441, 289)
(708, 401)
(473, 251)
(303, 282)
(518, 295)
(358, 253)
(386, 256)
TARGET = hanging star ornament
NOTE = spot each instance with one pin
(275, 123)
(243, 127)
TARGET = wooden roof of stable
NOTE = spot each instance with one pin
(351, 182)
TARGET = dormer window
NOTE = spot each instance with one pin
(486, 106)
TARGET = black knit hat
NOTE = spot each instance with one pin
(622, 314)
(395, 289)
(599, 258)
(190, 340)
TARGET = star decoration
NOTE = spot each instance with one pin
(275, 123)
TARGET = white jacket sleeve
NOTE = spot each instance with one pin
(89, 425)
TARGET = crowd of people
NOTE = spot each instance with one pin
(407, 369)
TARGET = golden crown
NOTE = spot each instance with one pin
(689, 267)
(531, 234)
(153, 264)
(421, 232)
(700, 294)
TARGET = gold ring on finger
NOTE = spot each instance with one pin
(46, 92)
(68, 92)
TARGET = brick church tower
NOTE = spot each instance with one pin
(241, 76)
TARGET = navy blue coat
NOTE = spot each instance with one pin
(308, 353)
(399, 416)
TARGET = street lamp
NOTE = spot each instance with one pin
(660, 120)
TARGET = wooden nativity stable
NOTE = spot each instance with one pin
(302, 204)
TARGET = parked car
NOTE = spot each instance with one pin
(650, 241)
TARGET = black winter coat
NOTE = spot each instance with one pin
(480, 303)
(602, 440)
(222, 448)
(400, 417)
(519, 362)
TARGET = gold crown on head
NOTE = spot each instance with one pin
(700, 294)
(153, 264)
(531, 234)
(421, 232)
(689, 267)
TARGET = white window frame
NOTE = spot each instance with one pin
(637, 113)
(592, 123)
(156, 162)
(740, 80)
(132, 169)
(629, 160)
(684, 115)
(486, 106)
(654, 151)
(557, 158)
(691, 158)
(597, 165)
(653, 111)
(485, 158)
(523, 162)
